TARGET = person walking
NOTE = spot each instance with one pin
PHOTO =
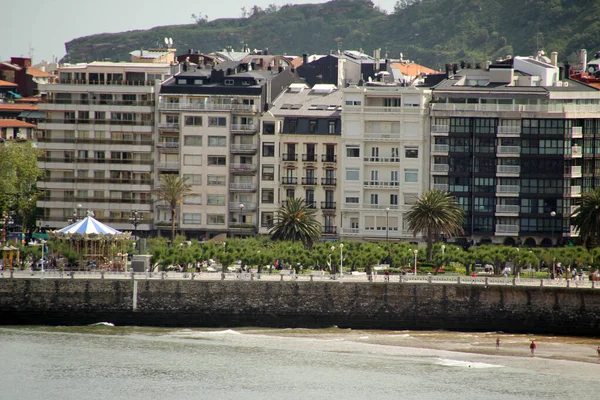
(532, 347)
(598, 351)
(498, 343)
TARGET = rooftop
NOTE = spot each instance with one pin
(301, 100)
(15, 123)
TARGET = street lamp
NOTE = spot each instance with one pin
(387, 224)
(443, 254)
(135, 221)
(552, 214)
(341, 258)
(241, 214)
(416, 252)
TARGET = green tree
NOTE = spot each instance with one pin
(435, 213)
(173, 190)
(586, 217)
(295, 221)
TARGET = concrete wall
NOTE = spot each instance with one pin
(301, 304)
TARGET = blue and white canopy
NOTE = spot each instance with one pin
(89, 226)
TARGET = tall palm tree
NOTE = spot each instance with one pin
(173, 190)
(586, 217)
(435, 213)
(296, 221)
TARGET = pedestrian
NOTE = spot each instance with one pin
(532, 347)
(598, 351)
(387, 276)
(498, 343)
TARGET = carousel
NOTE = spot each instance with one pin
(99, 246)
(10, 257)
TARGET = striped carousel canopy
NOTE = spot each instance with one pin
(88, 226)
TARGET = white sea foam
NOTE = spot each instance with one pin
(464, 364)
(103, 324)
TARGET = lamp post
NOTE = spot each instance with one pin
(387, 224)
(552, 214)
(416, 252)
(241, 214)
(135, 221)
(341, 258)
(43, 242)
(443, 254)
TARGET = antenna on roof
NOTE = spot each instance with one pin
(170, 41)
(167, 41)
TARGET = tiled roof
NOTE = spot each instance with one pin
(7, 84)
(38, 73)
(18, 107)
(412, 69)
(15, 123)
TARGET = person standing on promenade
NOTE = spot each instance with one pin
(532, 347)
(598, 351)
(498, 343)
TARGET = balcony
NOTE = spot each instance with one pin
(577, 132)
(242, 187)
(575, 191)
(147, 103)
(508, 169)
(243, 226)
(249, 129)
(509, 150)
(507, 209)
(309, 157)
(328, 205)
(443, 168)
(575, 171)
(107, 83)
(506, 230)
(167, 146)
(329, 230)
(166, 106)
(328, 181)
(168, 166)
(289, 157)
(330, 158)
(242, 168)
(382, 207)
(235, 206)
(381, 184)
(440, 148)
(309, 180)
(168, 126)
(88, 121)
(351, 206)
(381, 137)
(95, 160)
(509, 131)
(351, 231)
(576, 151)
(440, 129)
(573, 231)
(441, 186)
(508, 190)
(289, 180)
(243, 148)
(381, 160)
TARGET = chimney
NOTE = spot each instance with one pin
(583, 55)
(448, 70)
(487, 65)
(567, 71)
(266, 51)
(304, 58)
(454, 68)
(280, 69)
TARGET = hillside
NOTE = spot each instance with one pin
(431, 32)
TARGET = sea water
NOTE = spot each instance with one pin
(112, 362)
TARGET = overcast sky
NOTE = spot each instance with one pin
(46, 25)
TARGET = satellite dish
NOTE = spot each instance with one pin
(167, 41)
(171, 41)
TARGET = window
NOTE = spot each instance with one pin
(410, 198)
(393, 199)
(374, 198)
(192, 218)
(268, 128)
(268, 172)
(229, 82)
(352, 200)
(198, 82)
(268, 149)
(312, 126)
(266, 219)
(195, 199)
(193, 179)
(331, 127)
(194, 141)
(215, 219)
(215, 199)
(411, 152)
(217, 121)
(352, 151)
(193, 121)
(217, 160)
(267, 196)
(216, 180)
(217, 141)
(189, 159)
(352, 174)
(411, 175)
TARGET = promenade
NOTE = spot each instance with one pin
(316, 276)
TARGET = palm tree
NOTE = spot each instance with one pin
(435, 213)
(173, 190)
(586, 217)
(296, 221)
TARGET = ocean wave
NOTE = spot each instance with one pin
(465, 364)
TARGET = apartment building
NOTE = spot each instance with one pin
(97, 139)
(209, 133)
(300, 144)
(384, 158)
(516, 143)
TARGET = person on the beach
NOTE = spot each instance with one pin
(532, 347)
(498, 344)
(598, 351)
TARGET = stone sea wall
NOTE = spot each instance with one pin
(394, 306)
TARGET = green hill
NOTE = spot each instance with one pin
(431, 32)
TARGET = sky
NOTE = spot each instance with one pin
(41, 28)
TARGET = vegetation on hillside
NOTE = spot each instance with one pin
(431, 32)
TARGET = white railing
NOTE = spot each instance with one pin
(351, 206)
(548, 108)
(244, 147)
(237, 206)
(576, 170)
(382, 136)
(204, 106)
(440, 128)
(168, 145)
(503, 228)
(508, 189)
(243, 127)
(382, 207)
(509, 130)
(575, 191)
(381, 159)
(168, 125)
(242, 186)
(508, 169)
(440, 148)
(577, 132)
(242, 166)
(509, 150)
(381, 184)
(441, 186)
(576, 151)
(507, 209)
(168, 165)
(440, 167)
